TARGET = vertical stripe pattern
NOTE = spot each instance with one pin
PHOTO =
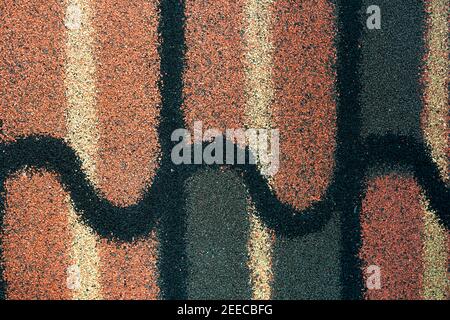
(259, 97)
(82, 134)
(304, 108)
(435, 259)
(128, 97)
(392, 229)
(214, 74)
(128, 149)
(82, 121)
(36, 235)
(435, 116)
(84, 255)
(36, 241)
(260, 247)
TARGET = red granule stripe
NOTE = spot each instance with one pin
(214, 74)
(128, 96)
(392, 229)
(304, 110)
(32, 68)
(129, 270)
(36, 238)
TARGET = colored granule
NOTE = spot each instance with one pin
(31, 68)
(304, 108)
(128, 97)
(36, 237)
(214, 75)
(129, 269)
(435, 116)
(392, 232)
(435, 257)
(390, 64)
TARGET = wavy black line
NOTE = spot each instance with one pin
(128, 223)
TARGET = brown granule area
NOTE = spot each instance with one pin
(214, 74)
(36, 237)
(129, 270)
(128, 97)
(128, 148)
(392, 231)
(304, 109)
(31, 68)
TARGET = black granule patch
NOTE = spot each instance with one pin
(309, 267)
(217, 234)
(390, 69)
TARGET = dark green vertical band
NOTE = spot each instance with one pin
(390, 69)
(217, 232)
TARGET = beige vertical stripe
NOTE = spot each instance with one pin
(436, 251)
(260, 247)
(80, 84)
(258, 67)
(435, 244)
(85, 256)
(259, 93)
(436, 112)
(82, 133)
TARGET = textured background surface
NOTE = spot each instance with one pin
(109, 78)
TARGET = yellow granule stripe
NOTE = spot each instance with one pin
(259, 94)
(435, 243)
(260, 249)
(85, 257)
(80, 84)
(436, 113)
(82, 135)
(258, 63)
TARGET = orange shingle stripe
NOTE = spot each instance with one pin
(129, 270)
(32, 68)
(128, 97)
(127, 108)
(392, 236)
(36, 238)
(214, 74)
(304, 108)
